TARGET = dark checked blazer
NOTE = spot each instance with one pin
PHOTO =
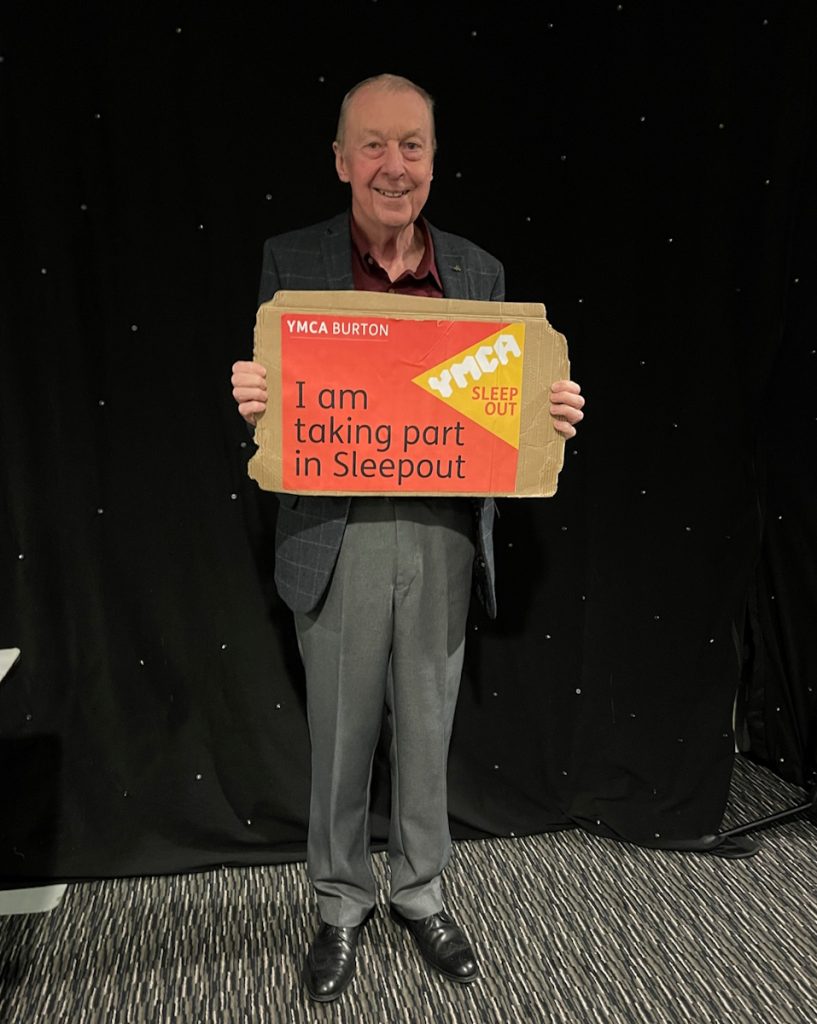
(310, 528)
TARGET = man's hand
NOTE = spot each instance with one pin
(249, 382)
(566, 404)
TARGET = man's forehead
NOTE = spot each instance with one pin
(382, 110)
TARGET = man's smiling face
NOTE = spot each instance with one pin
(387, 156)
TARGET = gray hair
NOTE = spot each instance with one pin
(390, 83)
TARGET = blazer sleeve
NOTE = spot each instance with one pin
(498, 289)
(270, 278)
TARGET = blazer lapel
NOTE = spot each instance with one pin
(336, 246)
(450, 266)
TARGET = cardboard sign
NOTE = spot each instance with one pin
(383, 394)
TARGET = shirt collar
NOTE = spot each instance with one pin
(427, 265)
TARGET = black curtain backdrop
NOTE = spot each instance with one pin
(646, 169)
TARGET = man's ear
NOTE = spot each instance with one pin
(340, 163)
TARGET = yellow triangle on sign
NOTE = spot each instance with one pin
(484, 382)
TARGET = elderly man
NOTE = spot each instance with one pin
(380, 588)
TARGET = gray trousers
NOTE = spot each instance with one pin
(389, 631)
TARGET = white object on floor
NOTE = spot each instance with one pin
(8, 657)
(30, 901)
(42, 897)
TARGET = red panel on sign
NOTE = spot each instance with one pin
(354, 418)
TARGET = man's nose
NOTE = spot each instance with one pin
(393, 159)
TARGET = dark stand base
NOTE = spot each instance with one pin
(733, 843)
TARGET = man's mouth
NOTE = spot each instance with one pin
(392, 195)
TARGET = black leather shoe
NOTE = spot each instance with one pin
(442, 944)
(330, 962)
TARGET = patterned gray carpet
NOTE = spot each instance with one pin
(570, 929)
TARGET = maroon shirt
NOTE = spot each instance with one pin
(369, 276)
